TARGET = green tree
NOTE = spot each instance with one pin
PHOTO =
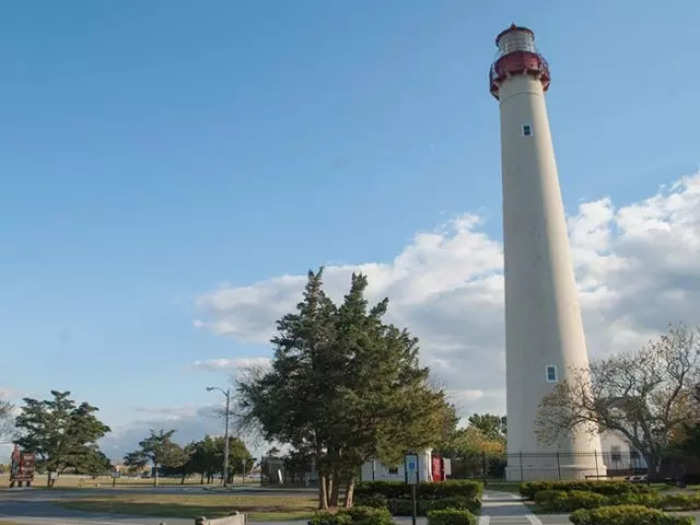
(490, 425)
(95, 463)
(60, 432)
(345, 387)
(646, 396)
(160, 450)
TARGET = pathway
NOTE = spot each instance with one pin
(503, 508)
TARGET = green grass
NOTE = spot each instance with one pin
(258, 507)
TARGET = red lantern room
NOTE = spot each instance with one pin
(517, 56)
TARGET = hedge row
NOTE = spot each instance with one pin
(563, 501)
(355, 516)
(451, 517)
(608, 488)
(627, 515)
(424, 491)
(404, 507)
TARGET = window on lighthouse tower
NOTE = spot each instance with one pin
(551, 373)
(527, 130)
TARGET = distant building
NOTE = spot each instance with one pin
(618, 455)
(431, 467)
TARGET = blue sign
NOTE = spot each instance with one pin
(411, 467)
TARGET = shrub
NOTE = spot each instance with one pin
(378, 501)
(630, 498)
(355, 516)
(424, 491)
(551, 500)
(608, 488)
(451, 517)
(450, 488)
(679, 502)
(369, 516)
(627, 515)
(454, 502)
(389, 489)
(402, 507)
(562, 501)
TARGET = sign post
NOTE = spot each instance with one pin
(115, 475)
(411, 469)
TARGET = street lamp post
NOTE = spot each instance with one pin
(227, 394)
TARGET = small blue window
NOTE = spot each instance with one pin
(552, 374)
(527, 130)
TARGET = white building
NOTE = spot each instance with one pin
(375, 471)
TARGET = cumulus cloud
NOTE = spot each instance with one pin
(636, 267)
(190, 422)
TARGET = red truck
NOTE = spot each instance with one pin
(21, 468)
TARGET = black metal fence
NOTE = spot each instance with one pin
(524, 466)
(577, 465)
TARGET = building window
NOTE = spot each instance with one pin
(394, 470)
(551, 373)
(615, 454)
(527, 130)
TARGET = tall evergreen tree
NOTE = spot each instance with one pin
(62, 433)
(345, 387)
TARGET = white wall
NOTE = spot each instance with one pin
(376, 471)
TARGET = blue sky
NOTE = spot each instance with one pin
(151, 151)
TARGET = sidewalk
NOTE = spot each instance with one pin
(503, 508)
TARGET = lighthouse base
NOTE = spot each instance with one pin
(550, 467)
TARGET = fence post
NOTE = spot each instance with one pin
(521, 466)
(595, 453)
(558, 466)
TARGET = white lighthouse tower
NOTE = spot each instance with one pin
(544, 332)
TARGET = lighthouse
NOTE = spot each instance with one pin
(544, 332)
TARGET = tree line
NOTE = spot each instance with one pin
(64, 434)
(204, 457)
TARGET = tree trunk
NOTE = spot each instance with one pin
(201, 479)
(155, 475)
(349, 492)
(323, 492)
(335, 488)
(182, 480)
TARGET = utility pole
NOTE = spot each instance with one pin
(228, 403)
(227, 395)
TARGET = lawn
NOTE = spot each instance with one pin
(259, 507)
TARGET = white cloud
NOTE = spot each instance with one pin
(224, 364)
(636, 267)
(190, 422)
